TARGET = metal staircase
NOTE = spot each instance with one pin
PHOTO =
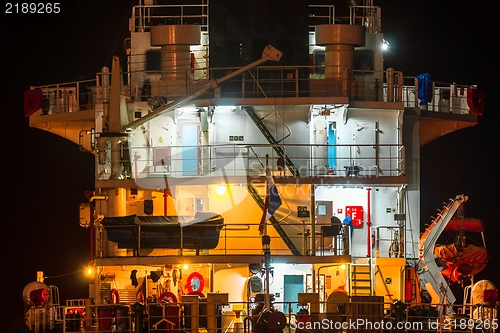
(270, 138)
(361, 279)
(279, 229)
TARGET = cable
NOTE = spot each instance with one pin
(118, 35)
(62, 275)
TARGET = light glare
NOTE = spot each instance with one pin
(385, 45)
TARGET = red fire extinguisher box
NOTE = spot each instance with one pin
(356, 214)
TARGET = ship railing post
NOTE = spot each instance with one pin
(58, 103)
(390, 84)
(192, 301)
(77, 104)
(313, 221)
(139, 240)
(296, 82)
(181, 241)
(435, 96)
(214, 300)
(416, 92)
(399, 98)
(345, 80)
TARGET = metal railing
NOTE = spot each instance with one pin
(389, 241)
(357, 313)
(243, 160)
(227, 239)
(145, 16)
(266, 82)
(436, 96)
(366, 16)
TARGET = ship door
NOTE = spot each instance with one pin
(190, 152)
(320, 158)
(293, 285)
(324, 212)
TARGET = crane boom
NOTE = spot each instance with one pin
(269, 53)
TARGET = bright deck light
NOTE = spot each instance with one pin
(385, 45)
(221, 189)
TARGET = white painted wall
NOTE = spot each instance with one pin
(383, 206)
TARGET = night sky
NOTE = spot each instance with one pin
(46, 176)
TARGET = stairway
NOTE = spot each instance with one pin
(279, 228)
(361, 279)
(269, 137)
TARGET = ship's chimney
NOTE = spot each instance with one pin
(339, 41)
(175, 41)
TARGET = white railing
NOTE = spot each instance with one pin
(245, 160)
(266, 82)
(436, 96)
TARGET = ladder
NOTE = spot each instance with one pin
(270, 138)
(258, 199)
(361, 279)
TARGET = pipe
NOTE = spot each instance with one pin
(136, 165)
(165, 202)
(247, 323)
(319, 274)
(312, 214)
(368, 225)
(390, 84)
(91, 198)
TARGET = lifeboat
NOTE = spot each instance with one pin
(461, 260)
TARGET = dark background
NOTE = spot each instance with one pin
(45, 177)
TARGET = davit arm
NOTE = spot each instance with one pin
(431, 278)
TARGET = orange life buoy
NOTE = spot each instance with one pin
(80, 311)
(170, 297)
(76, 310)
(116, 298)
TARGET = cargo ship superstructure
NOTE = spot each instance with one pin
(252, 179)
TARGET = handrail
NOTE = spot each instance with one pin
(274, 108)
(237, 164)
(256, 156)
(231, 240)
(408, 321)
(144, 14)
(446, 97)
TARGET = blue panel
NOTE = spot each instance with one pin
(332, 149)
(189, 150)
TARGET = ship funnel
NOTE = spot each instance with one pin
(175, 42)
(339, 41)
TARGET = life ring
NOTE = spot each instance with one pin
(80, 311)
(76, 310)
(197, 293)
(116, 298)
(170, 297)
(195, 282)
